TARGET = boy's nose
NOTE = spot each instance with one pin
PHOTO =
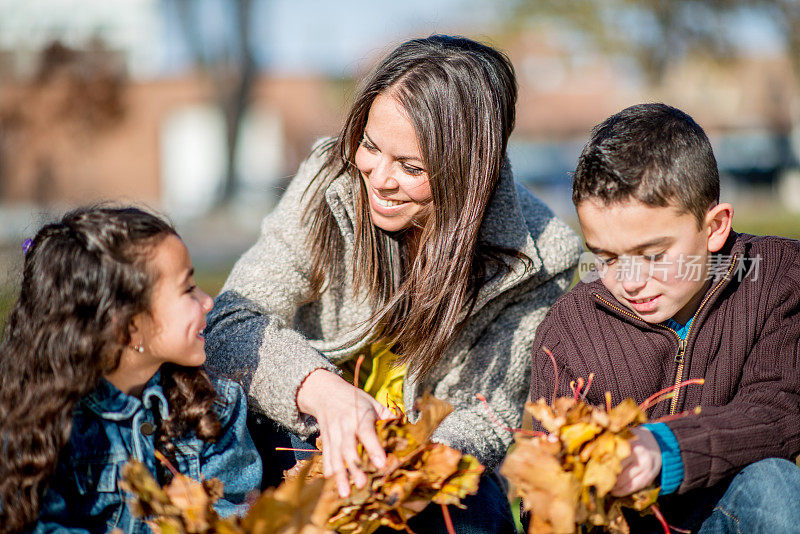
(633, 285)
(631, 276)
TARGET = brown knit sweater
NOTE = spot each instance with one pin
(745, 342)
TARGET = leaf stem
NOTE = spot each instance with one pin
(165, 462)
(501, 425)
(652, 399)
(674, 416)
(660, 518)
(555, 372)
(448, 521)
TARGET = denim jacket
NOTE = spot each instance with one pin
(111, 428)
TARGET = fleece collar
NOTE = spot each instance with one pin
(503, 225)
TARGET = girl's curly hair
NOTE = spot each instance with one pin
(84, 278)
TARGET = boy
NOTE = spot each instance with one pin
(678, 295)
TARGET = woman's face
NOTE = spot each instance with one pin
(391, 166)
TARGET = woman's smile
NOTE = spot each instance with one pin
(385, 205)
(391, 166)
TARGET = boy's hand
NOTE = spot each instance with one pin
(641, 468)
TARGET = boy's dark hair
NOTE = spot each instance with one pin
(653, 153)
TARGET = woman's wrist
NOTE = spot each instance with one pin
(317, 382)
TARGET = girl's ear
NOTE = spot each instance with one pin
(135, 328)
(718, 225)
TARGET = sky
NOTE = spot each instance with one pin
(288, 36)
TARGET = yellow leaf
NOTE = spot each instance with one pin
(625, 414)
(576, 435)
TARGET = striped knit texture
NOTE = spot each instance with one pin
(745, 343)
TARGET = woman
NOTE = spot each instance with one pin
(406, 240)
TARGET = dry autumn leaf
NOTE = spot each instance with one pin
(185, 506)
(417, 472)
(564, 477)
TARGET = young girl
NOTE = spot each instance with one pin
(101, 365)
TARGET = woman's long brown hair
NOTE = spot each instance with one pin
(84, 279)
(460, 96)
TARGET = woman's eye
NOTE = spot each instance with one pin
(654, 257)
(368, 146)
(191, 289)
(413, 171)
(606, 261)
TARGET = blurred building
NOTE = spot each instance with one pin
(749, 107)
(129, 119)
(166, 146)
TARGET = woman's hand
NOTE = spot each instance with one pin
(641, 468)
(344, 413)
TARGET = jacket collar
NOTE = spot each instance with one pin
(110, 403)
(503, 225)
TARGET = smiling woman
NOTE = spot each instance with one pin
(390, 163)
(403, 242)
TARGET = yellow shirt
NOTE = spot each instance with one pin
(378, 375)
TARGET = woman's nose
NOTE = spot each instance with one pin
(382, 176)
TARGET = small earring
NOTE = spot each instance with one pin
(138, 348)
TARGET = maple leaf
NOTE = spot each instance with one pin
(417, 472)
(185, 506)
(565, 477)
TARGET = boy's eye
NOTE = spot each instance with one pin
(606, 261)
(191, 288)
(654, 257)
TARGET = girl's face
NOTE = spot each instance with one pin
(172, 331)
(391, 166)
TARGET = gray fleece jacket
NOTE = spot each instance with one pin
(263, 331)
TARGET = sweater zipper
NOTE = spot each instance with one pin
(682, 343)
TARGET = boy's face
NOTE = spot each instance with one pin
(654, 259)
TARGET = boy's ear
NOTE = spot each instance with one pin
(718, 225)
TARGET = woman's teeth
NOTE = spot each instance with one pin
(387, 203)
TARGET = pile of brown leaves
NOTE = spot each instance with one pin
(184, 506)
(417, 472)
(564, 478)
